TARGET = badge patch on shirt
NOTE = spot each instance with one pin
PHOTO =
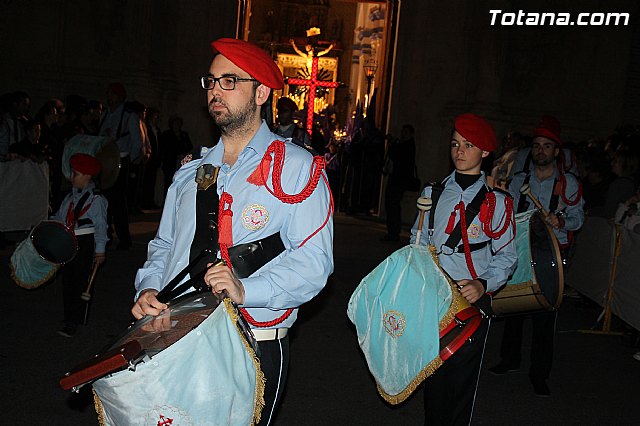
(255, 217)
(473, 231)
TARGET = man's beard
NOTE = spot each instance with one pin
(544, 161)
(230, 120)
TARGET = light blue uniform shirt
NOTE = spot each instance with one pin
(289, 280)
(494, 268)
(97, 213)
(130, 140)
(543, 190)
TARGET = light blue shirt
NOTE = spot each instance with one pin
(543, 190)
(289, 280)
(493, 263)
(130, 140)
(97, 213)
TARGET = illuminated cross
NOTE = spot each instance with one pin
(312, 82)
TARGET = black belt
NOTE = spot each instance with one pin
(472, 247)
(245, 258)
(248, 258)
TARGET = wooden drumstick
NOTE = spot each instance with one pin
(86, 294)
(424, 205)
(526, 190)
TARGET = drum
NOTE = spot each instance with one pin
(36, 259)
(103, 148)
(195, 363)
(409, 318)
(538, 282)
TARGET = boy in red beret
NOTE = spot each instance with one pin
(84, 211)
(479, 259)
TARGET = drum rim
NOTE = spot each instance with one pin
(559, 271)
(119, 340)
(74, 240)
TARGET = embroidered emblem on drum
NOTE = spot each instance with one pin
(394, 323)
(473, 231)
(167, 415)
(255, 217)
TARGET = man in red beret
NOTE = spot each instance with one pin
(558, 191)
(479, 258)
(84, 211)
(286, 127)
(549, 128)
(248, 205)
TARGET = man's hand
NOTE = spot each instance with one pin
(471, 290)
(220, 278)
(99, 258)
(555, 221)
(147, 304)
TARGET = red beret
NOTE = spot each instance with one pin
(85, 164)
(476, 130)
(118, 89)
(288, 103)
(251, 59)
(549, 127)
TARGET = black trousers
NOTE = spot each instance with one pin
(450, 392)
(392, 205)
(117, 212)
(542, 342)
(274, 361)
(75, 277)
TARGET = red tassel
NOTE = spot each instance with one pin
(225, 230)
(484, 211)
(452, 221)
(260, 174)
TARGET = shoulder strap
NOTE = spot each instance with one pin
(555, 196)
(472, 210)
(523, 203)
(81, 201)
(436, 191)
(527, 163)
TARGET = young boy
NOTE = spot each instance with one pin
(479, 258)
(84, 211)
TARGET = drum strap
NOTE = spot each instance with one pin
(472, 210)
(74, 213)
(523, 203)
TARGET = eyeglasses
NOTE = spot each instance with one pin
(226, 82)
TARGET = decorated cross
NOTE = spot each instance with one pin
(312, 82)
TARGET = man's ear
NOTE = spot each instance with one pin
(262, 94)
(485, 154)
(556, 151)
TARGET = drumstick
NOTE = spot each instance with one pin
(526, 190)
(424, 205)
(86, 295)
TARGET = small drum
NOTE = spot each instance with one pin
(410, 318)
(103, 148)
(195, 363)
(36, 259)
(538, 282)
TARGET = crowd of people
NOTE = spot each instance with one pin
(146, 151)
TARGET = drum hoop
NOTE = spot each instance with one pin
(74, 240)
(538, 293)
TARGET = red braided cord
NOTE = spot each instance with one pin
(563, 188)
(465, 240)
(278, 149)
(486, 225)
